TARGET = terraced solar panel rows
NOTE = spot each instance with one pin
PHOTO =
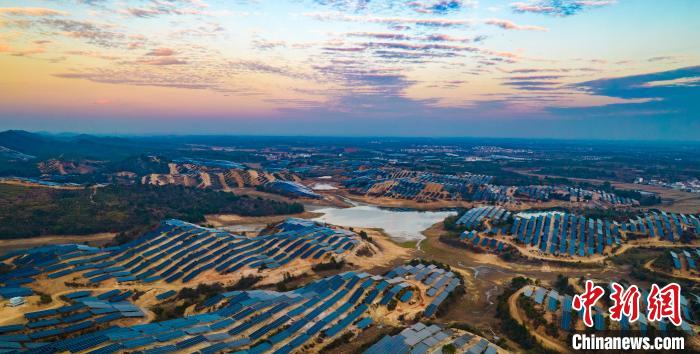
(180, 252)
(257, 320)
(562, 233)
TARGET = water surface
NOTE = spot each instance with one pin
(323, 187)
(400, 225)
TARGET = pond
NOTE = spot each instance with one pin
(323, 187)
(401, 225)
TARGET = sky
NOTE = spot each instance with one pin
(572, 69)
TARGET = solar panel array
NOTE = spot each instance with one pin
(474, 217)
(685, 259)
(180, 251)
(547, 193)
(485, 243)
(291, 189)
(29, 263)
(490, 193)
(541, 193)
(668, 226)
(581, 194)
(554, 302)
(421, 338)
(267, 321)
(563, 233)
(417, 185)
(84, 313)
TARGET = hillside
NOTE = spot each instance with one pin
(27, 212)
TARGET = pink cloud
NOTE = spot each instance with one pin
(161, 52)
(163, 61)
(30, 11)
(433, 22)
(510, 25)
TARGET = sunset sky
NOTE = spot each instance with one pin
(625, 69)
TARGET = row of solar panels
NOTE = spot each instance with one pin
(483, 242)
(421, 339)
(29, 263)
(262, 321)
(561, 233)
(668, 226)
(490, 193)
(473, 218)
(181, 251)
(85, 313)
(688, 256)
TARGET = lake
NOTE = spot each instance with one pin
(400, 225)
(323, 187)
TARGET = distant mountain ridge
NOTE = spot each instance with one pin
(77, 146)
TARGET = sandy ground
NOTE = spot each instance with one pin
(93, 240)
(388, 253)
(12, 315)
(223, 220)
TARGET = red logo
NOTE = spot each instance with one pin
(662, 303)
(625, 302)
(587, 300)
(665, 303)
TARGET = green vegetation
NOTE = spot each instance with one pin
(34, 211)
(44, 298)
(407, 244)
(187, 297)
(509, 326)
(331, 265)
(635, 259)
(336, 343)
(450, 223)
(363, 235)
(563, 287)
(245, 282)
(535, 315)
(290, 282)
(449, 349)
(610, 214)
